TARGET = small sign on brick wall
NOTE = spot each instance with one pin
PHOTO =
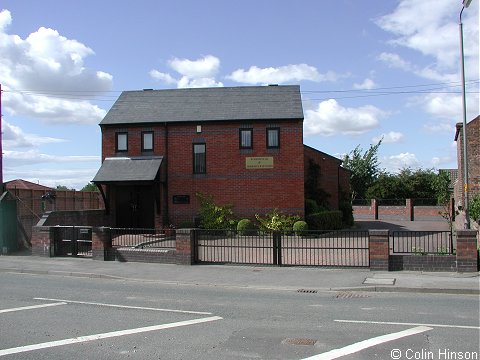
(259, 162)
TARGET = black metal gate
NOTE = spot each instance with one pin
(72, 241)
(326, 248)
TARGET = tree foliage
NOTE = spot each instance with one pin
(215, 217)
(364, 169)
(474, 208)
(411, 184)
(313, 192)
(90, 187)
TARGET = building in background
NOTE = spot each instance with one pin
(473, 152)
(241, 145)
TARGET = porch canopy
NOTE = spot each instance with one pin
(128, 170)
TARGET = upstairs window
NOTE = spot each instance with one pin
(199, 159)
(147, 141)
(273, 138)
(246, 138)
(121, 142)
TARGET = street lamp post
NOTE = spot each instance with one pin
(466, 3)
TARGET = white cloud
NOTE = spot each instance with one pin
(389, 138)
(394, 60)
(48, 64)
(71, 178)
(331, 118)
(195, 73)
(430, 27)
(163, 77)
(14, 137)
(440, 127)
(439, 162)
(395, 163)
(53, 110)
(280, 75)
(206, 67)
(29, 157)
(367, 84)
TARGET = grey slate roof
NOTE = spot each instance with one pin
(207, 104)
(128, 169)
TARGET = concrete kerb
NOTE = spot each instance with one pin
(336, 281)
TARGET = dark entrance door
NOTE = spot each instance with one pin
(135, 206)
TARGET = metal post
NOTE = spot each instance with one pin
(464, 132)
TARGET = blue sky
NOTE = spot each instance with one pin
(367, 69)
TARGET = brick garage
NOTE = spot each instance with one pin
(243, 146)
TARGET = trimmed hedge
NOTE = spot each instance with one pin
(300, 226)
(246, 227)
(325, 220)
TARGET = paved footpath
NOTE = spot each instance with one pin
(253, 277)
(261, 277)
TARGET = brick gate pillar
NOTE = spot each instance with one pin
(379, 251)
(101, 243)
(467, 255)
(374, 205)
(42, 241)
(410, 209)
(185, 246)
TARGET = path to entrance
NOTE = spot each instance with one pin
(402, 225)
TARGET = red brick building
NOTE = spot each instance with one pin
(241, 145)
(473, 152)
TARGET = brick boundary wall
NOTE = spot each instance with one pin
(42, 239)
(467, 254)
(379, 249)
(380, 258)
(465, 260)
(423, 263)
(183, 254)
(409, 212)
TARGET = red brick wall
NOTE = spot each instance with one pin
(333, 178)
(250, 191)
(473, 150)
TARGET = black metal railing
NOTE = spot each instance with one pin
(229, 246)
(306, 248)
(344, 248)
(143, 238)
(422, 242)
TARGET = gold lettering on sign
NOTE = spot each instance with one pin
(259, 162)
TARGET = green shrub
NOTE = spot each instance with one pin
(474, 208)
(275, 221)
(325, 220)
(214, 217)
(311, 207)
(345, 206)
(245, 227)
(299, 227)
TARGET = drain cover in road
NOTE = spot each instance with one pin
(374, 281)
(299, 341)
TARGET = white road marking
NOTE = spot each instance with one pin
(80, 339)
(127, 306)
(31, 307)
(354, 348)
(409, 324)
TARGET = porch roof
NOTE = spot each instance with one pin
(121, 169)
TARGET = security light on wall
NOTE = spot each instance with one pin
(199, 129)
